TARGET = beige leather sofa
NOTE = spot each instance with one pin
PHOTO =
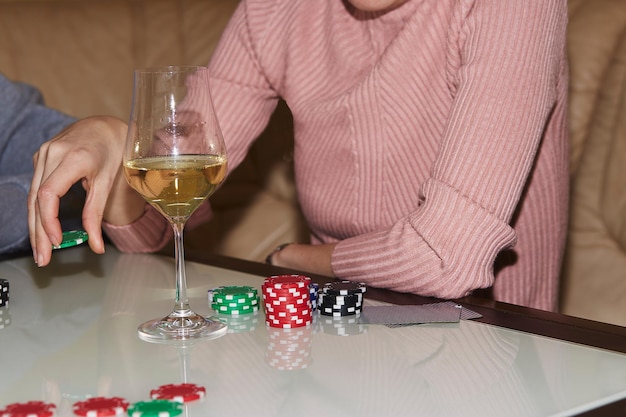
(81, 54)
(594, 275)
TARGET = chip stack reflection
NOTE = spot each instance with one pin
(289, 349)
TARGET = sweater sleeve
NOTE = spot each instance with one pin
(505, 63)
(244, 101)
(26, 123)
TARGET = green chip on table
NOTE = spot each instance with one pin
(72, 238)
(155, 408)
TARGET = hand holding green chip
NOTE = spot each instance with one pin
(72, 238)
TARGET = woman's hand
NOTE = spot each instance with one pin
(307, 258)
(89, 151)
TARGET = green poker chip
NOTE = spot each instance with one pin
(72, 238)
(235, 292)
(155, 408)
(247, 309)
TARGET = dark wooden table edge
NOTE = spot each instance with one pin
(544, 323)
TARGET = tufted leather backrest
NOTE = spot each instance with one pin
(594, 275)
(82, 53)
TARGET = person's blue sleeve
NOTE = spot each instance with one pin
(25, 124)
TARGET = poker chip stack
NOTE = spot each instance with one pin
(341, 298)
(4, 292)
(289, 349)
(234, 300)
(287, 301)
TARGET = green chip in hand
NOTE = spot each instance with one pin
(72, 238)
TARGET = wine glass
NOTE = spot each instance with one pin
(175, 158)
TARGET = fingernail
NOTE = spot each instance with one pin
(39, 260)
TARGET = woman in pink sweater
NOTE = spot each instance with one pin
(431, 149)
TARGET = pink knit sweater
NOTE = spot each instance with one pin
(430, 140)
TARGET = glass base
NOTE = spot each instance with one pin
(180, 328)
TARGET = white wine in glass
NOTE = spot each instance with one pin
(175, 158)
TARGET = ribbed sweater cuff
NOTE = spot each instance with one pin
(446, 248)
(149, 233)
(465, 235)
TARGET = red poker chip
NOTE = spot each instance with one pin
(181, 393)
(291, 320)
(101, 406)
(286, 301)
(29, 409)
(288, 305)
(291, 309)
(289, 317)
(287, 281)
(285, 295)
(298, 304)
(284, 286)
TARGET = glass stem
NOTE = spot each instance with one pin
(181, 307)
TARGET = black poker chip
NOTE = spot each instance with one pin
(329, 309)
(4, 292)
(344, 288)
(341, 299)
(352, 299)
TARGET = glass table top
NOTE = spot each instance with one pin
(70, 333)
